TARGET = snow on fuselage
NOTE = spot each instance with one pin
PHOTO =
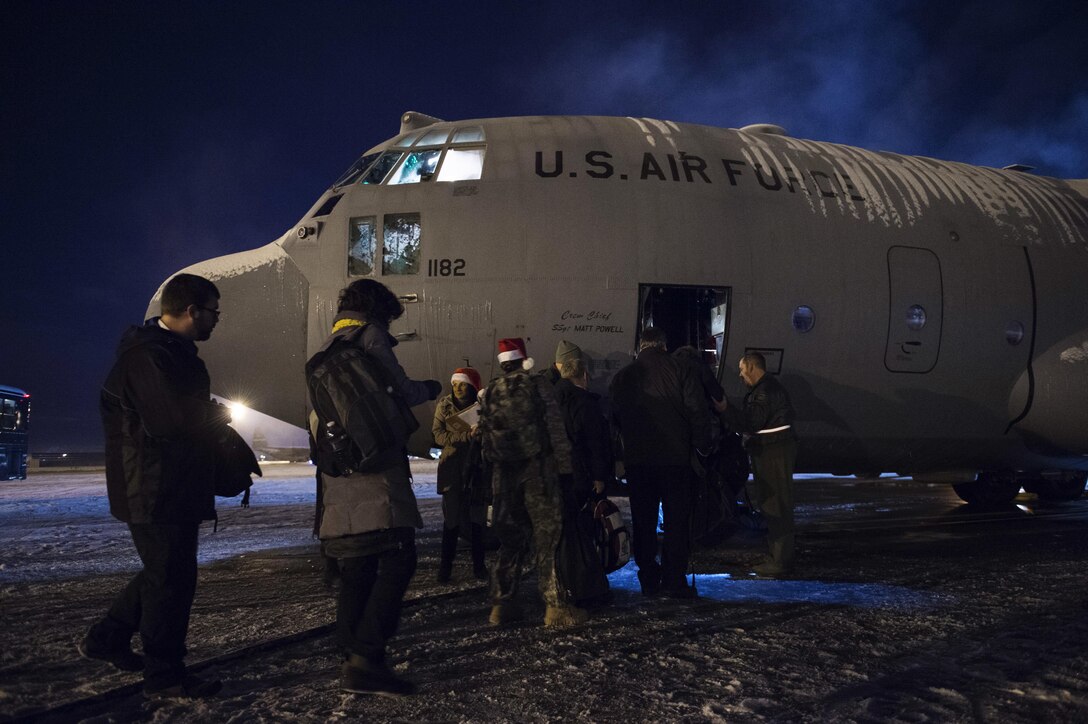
(924, 315)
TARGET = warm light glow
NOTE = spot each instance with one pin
(237, 411)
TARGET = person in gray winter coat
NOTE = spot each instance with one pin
(368, 520)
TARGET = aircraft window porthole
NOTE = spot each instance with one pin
(1014, 333)
(916, 318)
(804, 319)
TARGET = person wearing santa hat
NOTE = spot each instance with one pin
(456, 469)
(522, 434)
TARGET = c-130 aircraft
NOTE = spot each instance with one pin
(925, 316)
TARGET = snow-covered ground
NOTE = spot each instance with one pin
(907, 607)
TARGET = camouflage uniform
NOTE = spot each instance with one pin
(522, 432)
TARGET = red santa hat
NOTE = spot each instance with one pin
(467, 374)
(514, 349)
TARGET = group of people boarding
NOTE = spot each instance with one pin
(519, 454)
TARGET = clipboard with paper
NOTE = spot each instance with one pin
(465, 419)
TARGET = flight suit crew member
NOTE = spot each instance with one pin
(664, 420)
(766, 421)
(162, 429)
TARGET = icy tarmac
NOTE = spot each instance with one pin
(907, 606)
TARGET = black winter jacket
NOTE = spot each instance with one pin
(161, 429)
(590, 439)
(661, 410)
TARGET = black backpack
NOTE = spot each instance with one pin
(363, 423)
(234, 463)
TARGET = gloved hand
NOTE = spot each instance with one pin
(434, 388)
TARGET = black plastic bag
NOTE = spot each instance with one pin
(577, 562)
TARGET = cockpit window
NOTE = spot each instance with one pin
(462, 164)
(327, 207)
(361, 246)
(408, 140)
(401, 244)
(378, 171)
(472, 134)
(356, 170)
(417, 166)
(455, 156)
(434, 138)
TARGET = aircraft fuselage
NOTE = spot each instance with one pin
(924, 315)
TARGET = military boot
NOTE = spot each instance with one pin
(564, 616)
(504, 613)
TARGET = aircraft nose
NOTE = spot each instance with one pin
(257, 354)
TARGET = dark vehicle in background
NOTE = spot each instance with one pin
(14, 426)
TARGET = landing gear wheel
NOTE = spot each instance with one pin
(1058, 490)
(988, 489)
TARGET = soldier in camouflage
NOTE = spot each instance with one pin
(522, 433)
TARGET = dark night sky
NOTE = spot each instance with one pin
(140, 137)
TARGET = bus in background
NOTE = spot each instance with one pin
(14, 424)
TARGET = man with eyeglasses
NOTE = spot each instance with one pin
(161, 430)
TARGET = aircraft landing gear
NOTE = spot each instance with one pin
(1057, 488)
(989, 489)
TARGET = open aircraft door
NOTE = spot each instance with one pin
(690, 315)
(915, 310)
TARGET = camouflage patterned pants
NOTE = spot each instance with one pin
(527, 509)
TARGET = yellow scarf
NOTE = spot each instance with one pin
(348, 323)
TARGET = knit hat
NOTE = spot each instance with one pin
(513, 348)
(567, 351)
(467, 374)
